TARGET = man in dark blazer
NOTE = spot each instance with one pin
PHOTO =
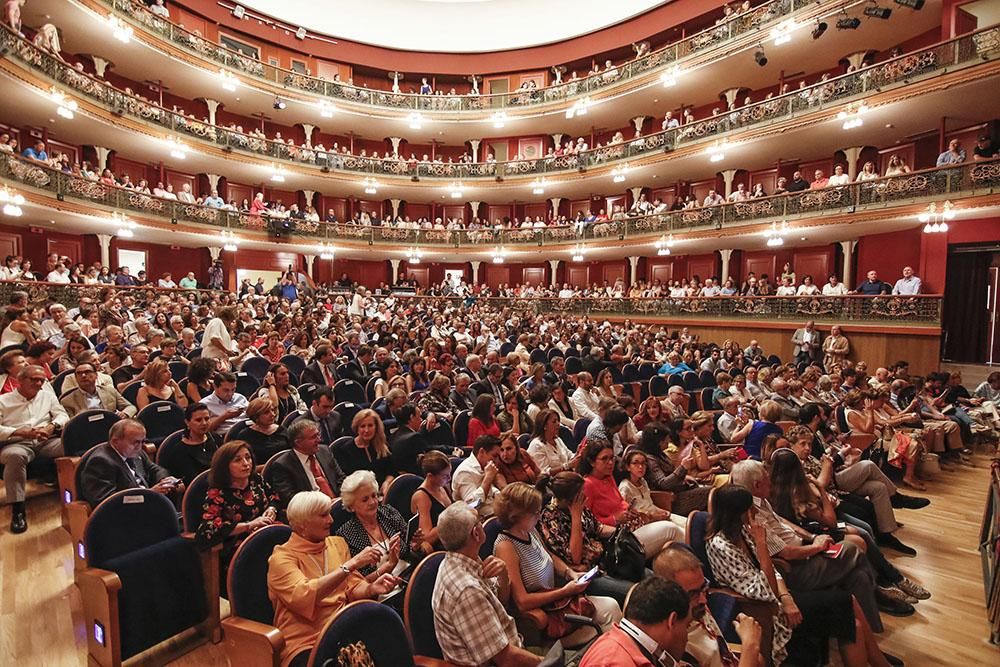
(320, 370)
(305, 467)
(492, 385)
(474, 368)
(321, 412)
(121, 464)
(411, 440)
(463, 395)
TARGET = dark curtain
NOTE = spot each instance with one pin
(965, 322)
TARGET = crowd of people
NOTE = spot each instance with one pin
(782, 438)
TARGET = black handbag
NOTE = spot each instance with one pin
(624, 557)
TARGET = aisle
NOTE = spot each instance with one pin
(41, 621)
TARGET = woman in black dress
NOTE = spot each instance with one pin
(264, 435)
(197, 447)
(432, 497)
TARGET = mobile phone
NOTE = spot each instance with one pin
(833, 550)
(588, 575)
(842, 525)
(411, 527)
(474, 504)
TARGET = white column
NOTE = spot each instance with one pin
(396, 78)
(475, 271)
(474, 205)
(730, 96)
(557, 139)
(309, 194)
(214, 252)
(726, 253)
(100, 65)
(213, 106)
(105, 241)
(638, 121)
(309, 264)
(856, 59)
(395, 269)
(729, 175)
(102, 156)
(634, 266)
(848, 248)
(555, 206)
(474, 144)
(395, 207)
(553, 266)
(636, 192)
(213, 181)
(395, 141)
(308, 129)
(852, 154)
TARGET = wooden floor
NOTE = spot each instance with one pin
(41, 621)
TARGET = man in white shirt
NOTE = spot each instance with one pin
(909, 284)
(217, 343)
(740, 193)
(30, 423)
(475, 478)
(806, 343)
(710, 289)
(786, 288)
(839, 177)
(834, 287)
(713, 199)
(225, 404)
(585, 400)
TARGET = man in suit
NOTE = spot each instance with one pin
(463, 395)
(121, 464)
(305, 467)
(91, 396)
(94, 359)
(411, 440)
(492, 385)
(474, 367)
(320, 370)
(558, 374)
(806, 343)
(321, 412)
(30, 422)
(781, 395)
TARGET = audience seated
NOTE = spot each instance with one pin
(306, 467)
(432, 497)
(263, 433)
(197, 446)
(514, 463)
(477, 480)
(91, 395)
(367, 450)
(225, 403)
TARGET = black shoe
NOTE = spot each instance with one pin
(892, 542)
(18, 520)
(892, 606)
(903, 501)
(892, 660)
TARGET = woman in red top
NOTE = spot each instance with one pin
(258, 207)
(605, 501)
(483, 421)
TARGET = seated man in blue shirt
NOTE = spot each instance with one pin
(872, 286)
(954, 155)
(214, 200)
(674, 365)
(36, 152)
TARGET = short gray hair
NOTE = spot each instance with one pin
(298, 427)
(747, 473)
(305, 504)
(350, 486)
(455, 525)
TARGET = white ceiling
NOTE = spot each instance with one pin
(452, 26)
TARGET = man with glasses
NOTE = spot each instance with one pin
(30, 423)
(138, 358)
(89, 395)
(705, 643)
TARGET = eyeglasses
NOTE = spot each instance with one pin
(698, 592)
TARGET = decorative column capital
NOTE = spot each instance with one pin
(215, 253)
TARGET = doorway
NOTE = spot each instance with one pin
(970, 323)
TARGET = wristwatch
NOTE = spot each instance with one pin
(345, 569)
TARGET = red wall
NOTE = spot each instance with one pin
(888, 254)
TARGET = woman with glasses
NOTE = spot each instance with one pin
(264, 435)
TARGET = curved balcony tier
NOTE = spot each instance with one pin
(962, 59)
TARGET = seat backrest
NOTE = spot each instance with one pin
(691, 381)
(417, 611)
(247, 384)
(341, 515)
(57, 381)
(370, 390)
(161, 418)
(696, 534)
(247, 584)
(194, 354)
(347, 411)
(255, 366)
(841, 413)
(349, 371)
(292, 416)
(461, 428)
(492, 529)
(573, 365)
(236, 430)
(131, 391)
(568, 438)
(400, 492)
(374, 625)
(706, 378)
(647, 370)
(455, 462)
(84, 458)
(675, 381)
(538, 356)
(127, 521)
(658, 385)
(294, 363)
(580, 429)
(706, 399)
(506, 348)
(86, 429)
(630, 373)
(194, 497)
(306, 391)
(524, 440)
(168, 446)
(178, 370)
(348, 391)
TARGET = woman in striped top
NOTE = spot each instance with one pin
(532, 570)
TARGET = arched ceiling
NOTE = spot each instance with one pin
(452, 26)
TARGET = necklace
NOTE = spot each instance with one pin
(316, 563)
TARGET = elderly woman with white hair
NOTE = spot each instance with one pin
(313, 575)
(374, 525)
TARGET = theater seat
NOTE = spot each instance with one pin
(161, 418)
(400, 492)
(145, 583)
(418, 614)
(75, 511)
(251, 640)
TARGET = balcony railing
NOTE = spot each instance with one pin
(970, 179)
(965, 51)
(922, 310)
(668, 56)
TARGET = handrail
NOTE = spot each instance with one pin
(918, 310)
(972, 178)
(943, 57)
(737, 25)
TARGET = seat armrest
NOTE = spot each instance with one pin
(252, 644)
(99, 594)
(422, 661)
(663, 499)
(577, 619)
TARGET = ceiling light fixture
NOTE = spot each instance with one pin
(775, 234)
(66, 107)
(413, 255)
(669, 77)
(538, 188)
(579, 108)
(277, 174)
(851, 116)
(578, 254)
(371, 185)
(121, 31)
(229, 240)
(499, 255)
(759, 56)
(820, 28)
(455, 190)
(664, 244)
(279, 104)
(415, 120)
(936, 220)
(618, 173)
(499, 119)
(177, 149)
(876, 12)
(326, 109)
(238, 11)
(229, 80)
(915, 5)
(848, 23)
(325, 251)
(782, 33)
(124, 225)
(717, 151)
(12, 202)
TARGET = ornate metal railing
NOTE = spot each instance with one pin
(921, 310)
(770, 12)
(970, 179)
(945, 57)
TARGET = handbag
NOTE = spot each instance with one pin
(556, 626)
(624, 557)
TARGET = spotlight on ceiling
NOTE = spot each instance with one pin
(877, 12)
(916, 5)
(849, 23)
(239, 12)
(279, 104)
(760, 56)
(820, 28)
(300, 34)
